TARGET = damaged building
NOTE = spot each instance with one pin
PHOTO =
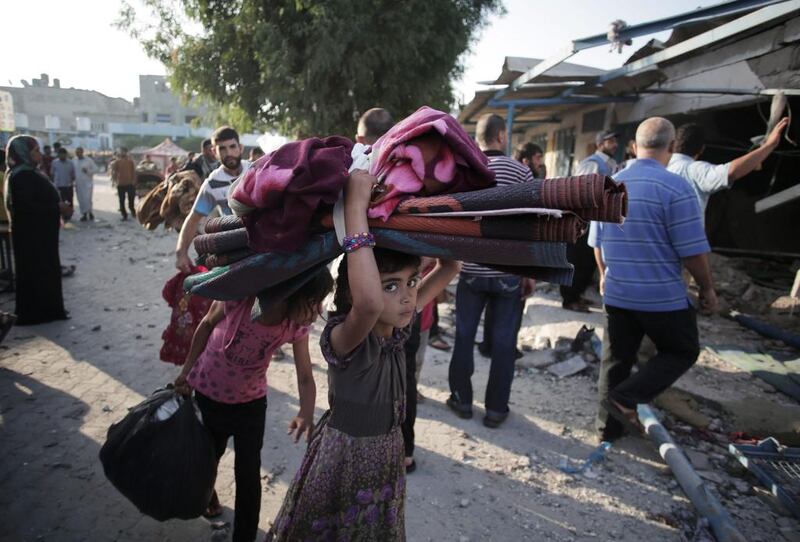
(733, 68)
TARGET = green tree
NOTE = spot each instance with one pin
(311, 67)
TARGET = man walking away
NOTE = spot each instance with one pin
(706, 178)
(62, 173)
(85, 168)
(478, 287)
(213, 192)
(123, 175)
(531, 155)
(579, 254)
(640, 278)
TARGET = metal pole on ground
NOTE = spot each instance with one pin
(704, 501)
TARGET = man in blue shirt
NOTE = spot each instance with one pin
(640, 278)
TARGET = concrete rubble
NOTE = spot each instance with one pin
(63, 384)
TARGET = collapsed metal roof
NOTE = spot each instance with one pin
(535, 90)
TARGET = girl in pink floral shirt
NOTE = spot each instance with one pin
(227, 366)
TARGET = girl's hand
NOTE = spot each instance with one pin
(301, 425)
(359, 186)
(181, 386)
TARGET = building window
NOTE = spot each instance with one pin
(593, 121)
(165, 118)
(144, 117)
(565, 151)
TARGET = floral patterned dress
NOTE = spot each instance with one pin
(351, 484)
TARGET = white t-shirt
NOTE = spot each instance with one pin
(705, 178)
(214, 191)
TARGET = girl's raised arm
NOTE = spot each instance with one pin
(362, 271)
(436, 281)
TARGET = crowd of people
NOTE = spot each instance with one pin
(352, 477)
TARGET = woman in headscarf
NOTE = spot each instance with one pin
(35, 208)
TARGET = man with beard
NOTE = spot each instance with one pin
(214, 192)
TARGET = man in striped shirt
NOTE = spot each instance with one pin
(640, 279)
(478, 287)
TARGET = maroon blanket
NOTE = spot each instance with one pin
(284, 189)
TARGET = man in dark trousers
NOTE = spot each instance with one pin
(480, 286)
(123, 175)
(640, 278)
(579, 254)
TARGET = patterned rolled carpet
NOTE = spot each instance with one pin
(260, 271)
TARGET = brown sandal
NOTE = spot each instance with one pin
(629, 419)
(214, 509)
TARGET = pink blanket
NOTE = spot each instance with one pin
(426, 153)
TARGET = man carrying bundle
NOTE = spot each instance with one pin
(214, 192)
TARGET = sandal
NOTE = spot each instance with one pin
(439, 344)
(214, 509)
(629, 419)
(411, 467)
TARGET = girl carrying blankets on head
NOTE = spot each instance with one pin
(351, 483)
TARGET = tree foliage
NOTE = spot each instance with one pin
(311, 67)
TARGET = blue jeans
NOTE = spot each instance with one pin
(503, 296)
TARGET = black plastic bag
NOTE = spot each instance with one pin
(161, 457)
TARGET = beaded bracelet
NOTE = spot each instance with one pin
(351, 243)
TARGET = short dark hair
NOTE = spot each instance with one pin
(62, 150)
(374, 123)
(224, 133)
(527, 151)
(690, 139)
(310, 296)
(206, 143)
(57, 145)
(489, 128)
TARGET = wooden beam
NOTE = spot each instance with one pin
(784, 196)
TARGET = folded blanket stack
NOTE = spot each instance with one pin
(437, 197)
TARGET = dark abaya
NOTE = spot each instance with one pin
(35, 223)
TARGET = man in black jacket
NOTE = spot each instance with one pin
(204, 164)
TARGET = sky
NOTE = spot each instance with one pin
(84, 49)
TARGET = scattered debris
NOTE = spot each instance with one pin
(98, 327)
(569, 367)
(776, 466)
(596, 456)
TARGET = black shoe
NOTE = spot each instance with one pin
(519, 354)
(462, 411)
(91, 217)
(84, 218)
(412, 467)
(494, 420)
(124, 218)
